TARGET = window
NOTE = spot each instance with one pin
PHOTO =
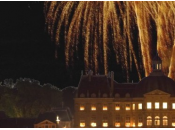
(157, 120)
(127, 122)
(156, 105)
(105, 123)
(93, 95)
(93, 124)
(127, 107)
(140, 106)
(105, 95)
(117, 95)
(93, 108)
(117, 122)
(165, 120)
(82, 123)
(173, 105)
(149, 105)
(82, 95)
(173, 121)
(164, 105)
(127, 95)
(140, 123)
(149, 120)
(82, 108)
(133, 106)
(117, 106)
(159, 66)
(105, 108)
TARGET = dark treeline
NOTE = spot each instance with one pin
(27, 98)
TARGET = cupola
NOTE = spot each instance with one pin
(156, 63)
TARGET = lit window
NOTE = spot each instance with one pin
(82, 108)
(157, 120)
(105, 123)
(133, 106)
(140, 124)
(165, 120)
(105, 108)
(149, 105)
(93, 124)
(117, 122)
(173, 105)
(140, 106)
(160, 67)
(127, 122)
(164, 105)
(82, 123)
(157, 66)
(127, 106)
(117, 106)
(156, 105)
(149, 120)
(93, 108)
(173, 121)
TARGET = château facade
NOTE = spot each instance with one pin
(102, 102)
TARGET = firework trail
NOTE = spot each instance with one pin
(99, 25)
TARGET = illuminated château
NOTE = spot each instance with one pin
(102, 102)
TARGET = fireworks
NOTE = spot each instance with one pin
(101, 27)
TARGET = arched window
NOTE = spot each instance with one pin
(165, 120)
(149, 120)
(82, 95)
(127, 95)
(105, 95)
(93, 95)
(117, 95)
(157, 120)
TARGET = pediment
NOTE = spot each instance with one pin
(157, 92)
(46, 122)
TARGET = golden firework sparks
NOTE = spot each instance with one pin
(98, 25)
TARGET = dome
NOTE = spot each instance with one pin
(156, 80)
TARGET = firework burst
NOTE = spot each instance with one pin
(101, 27)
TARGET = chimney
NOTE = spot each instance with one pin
(112, 82)
(90, 73)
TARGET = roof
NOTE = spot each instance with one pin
(63, 113)
(102, 84)
(123, 88)
(155, 81)
(94, 84)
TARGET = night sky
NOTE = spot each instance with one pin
(26, 50)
